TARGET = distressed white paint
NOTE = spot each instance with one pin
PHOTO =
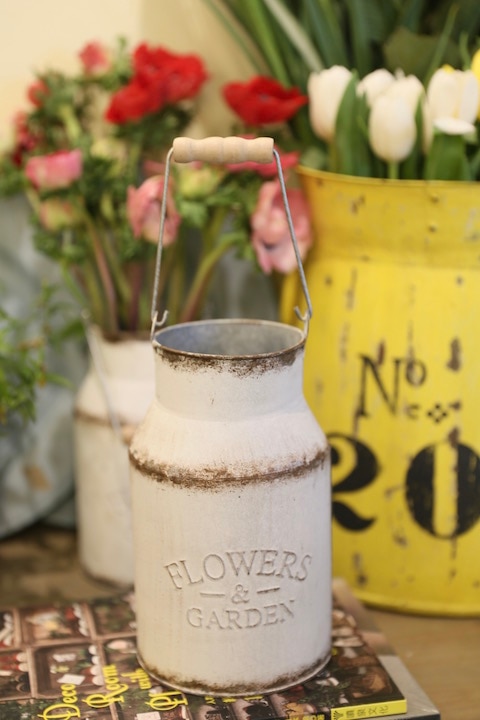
(232, 577)
(126, 378)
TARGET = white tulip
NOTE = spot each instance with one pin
(374, 84)
(325, 91)
(454, 94)
(409, 88)
(453, 126)
(392, 129)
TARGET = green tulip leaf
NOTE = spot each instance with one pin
(367, 30)
(326, 31)
(414, 53)
(350, 151)
(446, 159)
(410, 168)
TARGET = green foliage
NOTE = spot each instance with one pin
(359, 34)
(350, 152)
(79, 199)
(447, 159)
(290, 39)
(12, 180)
(24, 346)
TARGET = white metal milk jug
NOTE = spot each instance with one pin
(231, 498)
(112, 400)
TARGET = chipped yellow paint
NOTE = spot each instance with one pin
(392, 375)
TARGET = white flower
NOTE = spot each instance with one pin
(392, 130)
(374, 84)
(453, 126)
(325, 91)
(409, 88)
(454, 94)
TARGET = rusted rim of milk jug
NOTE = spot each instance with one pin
(228, 150)
(262, 344)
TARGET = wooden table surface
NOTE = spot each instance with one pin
(442, 654)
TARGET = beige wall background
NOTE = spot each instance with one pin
(37, 34)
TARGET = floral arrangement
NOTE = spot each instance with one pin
(89, 155)
(390, 90)
(233, 207)
(75, 152)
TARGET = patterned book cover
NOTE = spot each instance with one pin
(79, 661)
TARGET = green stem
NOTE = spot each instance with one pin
(296, 35)
(72, 127)
(111, 315)
(91, 289)
(327, 32)
(145, 296)
(261, 20)
(106, 237)
(213, 229)
(392, 170)
(442, 43)
(332, 157)
(82, 283)
(197, 291)
(230, 26)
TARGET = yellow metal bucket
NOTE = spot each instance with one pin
(392, 373)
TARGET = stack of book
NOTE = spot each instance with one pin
(79, 661)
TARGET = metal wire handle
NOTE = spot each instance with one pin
(224, 150)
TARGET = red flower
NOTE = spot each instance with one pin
(25, 140)
(95, 58)
(262, 100)
(178, 77)
(36, 92)
(131, 102)
(160, 78)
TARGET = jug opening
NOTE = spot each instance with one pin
(230, 338)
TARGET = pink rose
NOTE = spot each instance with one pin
(56, 214)
(58, 170)
(270, 234)
(143, 211)
(95, 58)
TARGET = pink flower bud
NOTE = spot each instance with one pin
(143, 211)
(56, 214)
(95, 58)
(58, 170)
(271, 237)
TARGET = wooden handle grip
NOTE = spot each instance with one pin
(223, 150)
